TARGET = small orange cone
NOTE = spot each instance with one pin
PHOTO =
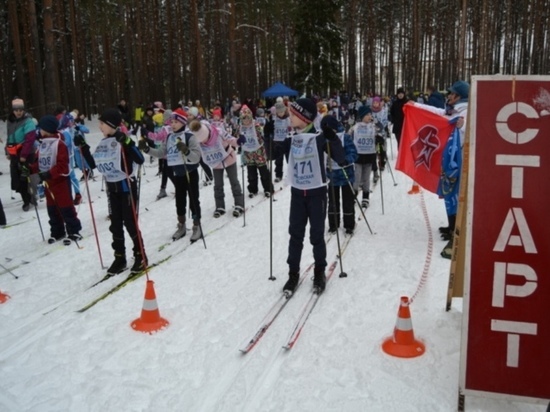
(150, 320)
(415, 189)
(3, 297)
(402, 343)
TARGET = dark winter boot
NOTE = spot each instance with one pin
(118, 266)
(319, 280)
(139, 265)
(291, 283)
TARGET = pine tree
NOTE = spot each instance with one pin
(318, 46)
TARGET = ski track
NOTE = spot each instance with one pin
(209, 360)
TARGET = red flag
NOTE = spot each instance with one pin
(423, 140)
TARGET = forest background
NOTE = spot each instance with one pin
(88, 54)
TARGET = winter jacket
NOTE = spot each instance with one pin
(436, 99)
(21, 136)
(192, 159)
(228, 142)
(338, 177)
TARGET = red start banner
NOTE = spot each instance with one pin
(506, 325)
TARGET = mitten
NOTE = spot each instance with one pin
(142, 144)
(241, 140)
(79, 140)
(329, 133)
(44, 176)
(182, 147)
(24, 171)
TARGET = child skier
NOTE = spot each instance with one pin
(218, 152)
(183, 156)
(341, 181)
(363, 134)
(114, 157)
(53, 169)
(276, 131)
(252, 144)
(308, 180)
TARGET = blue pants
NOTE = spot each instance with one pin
(302, 209)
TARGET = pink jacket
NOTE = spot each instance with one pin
(227, 140)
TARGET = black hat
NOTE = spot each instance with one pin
(111, 117)
(400, 90)
(304, 109)
(48, 123)
(363, 111)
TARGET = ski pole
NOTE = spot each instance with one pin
(9, 271)
(379, 150)
(138, 189)
(357, 201)
(92, 214)
(35, 207)
(271, 277)
(381, 188)
(391, 144)
(391, 171)
(136, 222)
(333, 195)
(244, 197)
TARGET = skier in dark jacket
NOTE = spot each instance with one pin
(308, 180)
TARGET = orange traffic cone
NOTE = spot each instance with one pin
(402, 343)
(150, 320)
(415, 189)
(3, 297)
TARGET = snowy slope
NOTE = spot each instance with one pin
(55, 359)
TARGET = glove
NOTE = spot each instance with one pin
(182, 147)
(24, 171)
(77, 127)
(44, 176)
(329, 133)
(142, 144)
(123, 139)
(241, 140)
(79, 140)
(144, 132)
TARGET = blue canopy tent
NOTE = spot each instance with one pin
(279, 89)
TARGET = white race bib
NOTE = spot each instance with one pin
(304, 165)
(252, 144)
(281, 129)
(364, 138)
(107, 157)
(173, 155)
(47, 156)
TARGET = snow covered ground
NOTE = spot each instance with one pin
(55, 359)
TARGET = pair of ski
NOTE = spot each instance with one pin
(131, 277)
(308, 307)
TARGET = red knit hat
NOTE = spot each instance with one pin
(179, 115)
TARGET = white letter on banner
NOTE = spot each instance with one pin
(515, 215)
(502, 123)
(512, 349)
(518, 162)
(500, 289)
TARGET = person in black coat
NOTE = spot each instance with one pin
(396, 113)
